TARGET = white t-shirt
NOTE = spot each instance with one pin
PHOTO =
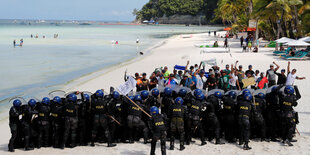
(290, 79)
(233, 80)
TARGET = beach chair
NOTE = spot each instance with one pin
(300, 55)
(282, 52)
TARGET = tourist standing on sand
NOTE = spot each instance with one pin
(241, 41)
(209, 33)
(214, 33)
(14, 43)
(226, 42)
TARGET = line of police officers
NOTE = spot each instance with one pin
(179, 115)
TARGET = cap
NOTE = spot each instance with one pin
(250, 66)
(282, 70)
(227, 65)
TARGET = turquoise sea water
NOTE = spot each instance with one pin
(42, 65)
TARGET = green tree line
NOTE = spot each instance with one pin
(275, 18)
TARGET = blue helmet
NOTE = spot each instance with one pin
(99, 93)
(247, 97)
(182, 92)
(72, 98)
(200, 96)
(155, 92)
(17, 103)
(115, 95)
(86, 97)
(168, 91)
(154, 110)
(131, 97)
(232, 94)
(32, 102)
(179, 100)
(46, 101)
(144, 94)
(138, 98)
(273, 89)
(289, 90)
(246, 91)
(197, 91)
(218, 94)
(261, 95)
(57, 99)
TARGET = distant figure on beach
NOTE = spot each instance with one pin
(43, 37)
(255, 49)
(14, 43)
(21, 42)
(250, 46)
(214, 33)
(116, 42)
(37, 36)
(141, 53)
(209, 33)
(241, 41)
(31, 36)
(138, 40)
(215, 44)
(226, 43)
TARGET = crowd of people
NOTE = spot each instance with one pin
(184, 104)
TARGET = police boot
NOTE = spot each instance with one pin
(163, 149)
(27, 148)
(240, 142)
(288, 142)
(153, 147)
(111, 145)
(246, 147)
(265, 139)
(203, 142)
(172, 144)
(11, 148)
(182, 146)
(218, 141)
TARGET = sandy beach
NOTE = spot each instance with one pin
(177, 51)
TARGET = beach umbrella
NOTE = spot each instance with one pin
(297, 43)
(284, 40)
(305, 38)
(227, 29)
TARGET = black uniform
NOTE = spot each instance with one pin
(212, 114)
(44, 125)
(14, 123)
(158, 129)
(272, 114)
(229, 123)
(177, 113)
(83, 114)
(57, 121)
(167, 101)
(258, 121)
(244, 113)
(194, 120)
(153, 101)
(135, 122)
(71, 122)
(28, 112)
(288, 119)
(100, 119)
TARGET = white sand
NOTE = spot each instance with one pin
(178, 50)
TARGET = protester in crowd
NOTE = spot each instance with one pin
(270, 73)
(292, 76)
(153, 81)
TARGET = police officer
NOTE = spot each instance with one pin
(213, 109)
(145, 96)
(272, 114)
(244, 112)
(113, 112)
(83, 114)
(71, 120)
(153, 99)
(229, 104)
(287, 102)
(259, 124)
(43, 122)
(100, 119)
(28, 112)
(194, 115)
(57, 121)
(14, 122)
(177, 113)
(134, 120)
(167, 100)
(158, 130)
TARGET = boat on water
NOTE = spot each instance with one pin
(85, 24)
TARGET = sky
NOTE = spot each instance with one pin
(109, 10)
